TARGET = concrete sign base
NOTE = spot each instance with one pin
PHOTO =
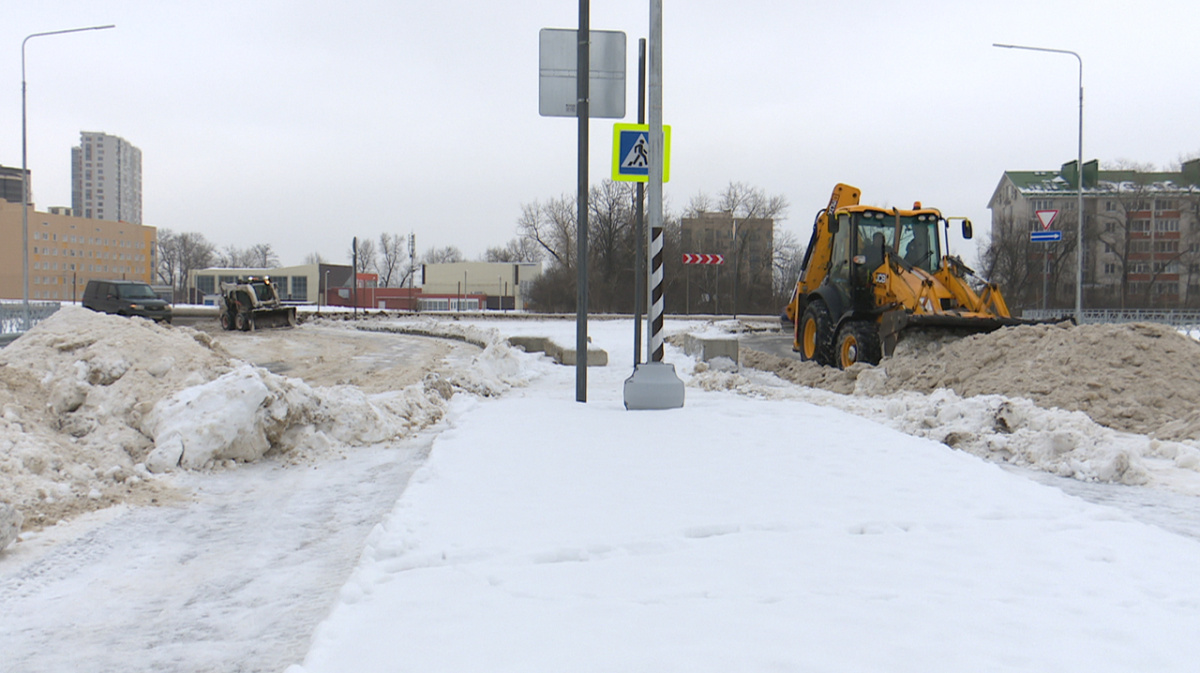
(653, 385)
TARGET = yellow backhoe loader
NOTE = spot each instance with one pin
(870, 274)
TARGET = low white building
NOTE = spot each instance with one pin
(498, 285)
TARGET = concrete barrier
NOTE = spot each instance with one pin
(709, 348)
(563, 356)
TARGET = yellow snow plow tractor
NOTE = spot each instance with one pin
(254, 302)
(871, 274)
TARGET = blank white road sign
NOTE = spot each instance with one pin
(558, 52)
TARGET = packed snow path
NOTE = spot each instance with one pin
(235, 573)
(235, 580)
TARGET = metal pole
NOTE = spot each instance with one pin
(582, 74)
(1045, 273)
(639, 256)
(1079, 167)
(25, 170)
(654, 190)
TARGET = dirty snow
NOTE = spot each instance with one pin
(749, 531)
(1094, 402)
(755, 528)
(92, 406)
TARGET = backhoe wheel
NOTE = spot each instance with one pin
(816, 334)
(858, 341)
(244, 322)
(226, 321)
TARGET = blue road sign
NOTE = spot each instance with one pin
(631, 152)
(1045, 236)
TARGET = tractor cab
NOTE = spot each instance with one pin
(866, 237)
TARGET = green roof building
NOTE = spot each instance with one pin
(1141, 237)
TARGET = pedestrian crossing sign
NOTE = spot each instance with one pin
(631, 153)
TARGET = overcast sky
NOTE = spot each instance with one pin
(302, 123)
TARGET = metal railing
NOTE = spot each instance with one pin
(1182, 318)
(12, 315)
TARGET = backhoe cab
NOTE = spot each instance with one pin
(872, 273)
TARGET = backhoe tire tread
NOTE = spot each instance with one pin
(858, 341)
(816, 334)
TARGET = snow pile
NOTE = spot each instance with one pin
(91, 405)
(995, 427)
(10, 524)
(1135, 377)
(74, 393)
(249, 412)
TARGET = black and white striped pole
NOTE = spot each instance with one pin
(654, 384)
(654, 317)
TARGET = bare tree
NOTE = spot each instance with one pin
(314, 258)
(258, 256)
(611, 244)
(698, 205)
(367, 262)
(550, 226)
(179, 254)
(446, 255)
(788, 258)
(751, 203)
(1010, 260)
(743, 202)
(519, 249)
(262, 256)
(392, 253)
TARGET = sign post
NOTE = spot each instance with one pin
(563, 92)
(654, 384)
(1046, 217)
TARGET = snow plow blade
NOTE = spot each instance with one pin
(893, 323)
(275, 317)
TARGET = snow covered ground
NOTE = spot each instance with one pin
(762, 526)
(744, 533)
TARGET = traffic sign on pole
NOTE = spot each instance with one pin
(1045, 236)
(1046, 217)
(690, 258)
(631, 153)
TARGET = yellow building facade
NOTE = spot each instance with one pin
(65, 252)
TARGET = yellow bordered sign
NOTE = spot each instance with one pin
(631, 153)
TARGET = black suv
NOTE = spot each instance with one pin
(126, 297)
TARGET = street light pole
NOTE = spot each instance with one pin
(1079, 170)
(25, 171)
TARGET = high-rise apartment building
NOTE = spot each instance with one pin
(106, 178)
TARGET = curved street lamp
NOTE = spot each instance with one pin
(1079, 168)
(25, 169)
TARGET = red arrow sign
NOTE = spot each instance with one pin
(689, 258)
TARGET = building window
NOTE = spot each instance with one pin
(1166, 225)
(206, 284)
(1139, 225)
(300, 287)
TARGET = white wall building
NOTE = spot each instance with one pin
(106, 178)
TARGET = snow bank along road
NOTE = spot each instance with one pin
(238, 562)
(235, 567)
